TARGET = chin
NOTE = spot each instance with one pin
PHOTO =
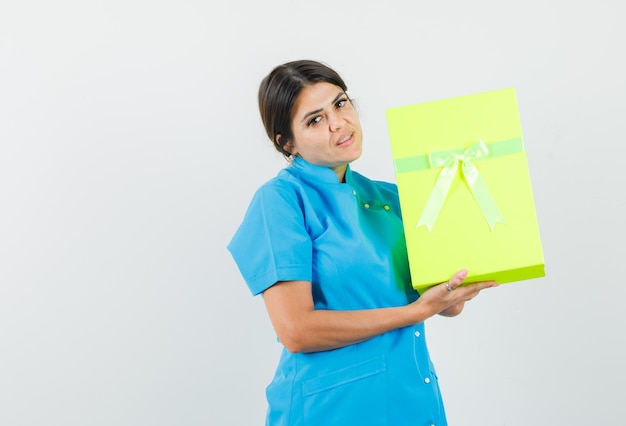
(357, 155)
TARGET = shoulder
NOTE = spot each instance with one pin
(284, 181)
(283, 189)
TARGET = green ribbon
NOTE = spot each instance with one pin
(449, 161)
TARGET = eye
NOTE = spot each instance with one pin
(314, 120)
(341, 102)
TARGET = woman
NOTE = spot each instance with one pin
(325, 247)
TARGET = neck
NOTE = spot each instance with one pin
(341, 173)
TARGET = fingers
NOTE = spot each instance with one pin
(456, 280)
(460, 276)
(486, 284)
(474, 288)
(454, 290)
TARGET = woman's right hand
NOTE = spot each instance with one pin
(448, 298)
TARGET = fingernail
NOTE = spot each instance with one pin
(463, 273)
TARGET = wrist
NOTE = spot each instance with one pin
(419, 311)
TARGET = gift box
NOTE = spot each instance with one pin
(465, 189)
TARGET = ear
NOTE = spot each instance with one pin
(288, 146)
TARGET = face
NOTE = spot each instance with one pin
(326, 128)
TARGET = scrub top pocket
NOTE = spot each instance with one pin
(352, 395)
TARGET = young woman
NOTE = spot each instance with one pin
(325, 247)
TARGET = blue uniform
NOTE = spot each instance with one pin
(348, 241)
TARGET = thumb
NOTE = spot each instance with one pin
(458, 278)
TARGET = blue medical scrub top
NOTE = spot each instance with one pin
(347, 240)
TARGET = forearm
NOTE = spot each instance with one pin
(318, 330)
(302, 328)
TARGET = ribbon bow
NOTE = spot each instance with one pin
(450, 160)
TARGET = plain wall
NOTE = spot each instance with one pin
(130, 146)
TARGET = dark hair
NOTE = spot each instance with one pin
(279, 91)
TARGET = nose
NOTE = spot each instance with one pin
(335, 121)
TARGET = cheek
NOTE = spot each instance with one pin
(313, 139)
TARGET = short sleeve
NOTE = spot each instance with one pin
(272, 243)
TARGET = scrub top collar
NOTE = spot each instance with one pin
(316, 173)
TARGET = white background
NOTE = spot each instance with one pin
(130, 145)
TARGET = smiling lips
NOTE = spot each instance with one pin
(345, 140)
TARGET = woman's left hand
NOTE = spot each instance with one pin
(448, 298)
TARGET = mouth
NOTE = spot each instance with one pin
(346, 140)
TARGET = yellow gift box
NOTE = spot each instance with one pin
(465, 189)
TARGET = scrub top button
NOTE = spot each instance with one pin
(367, 206)
(426, 380)
(387, 208)
(417, 334)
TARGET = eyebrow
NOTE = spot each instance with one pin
(317, 111)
